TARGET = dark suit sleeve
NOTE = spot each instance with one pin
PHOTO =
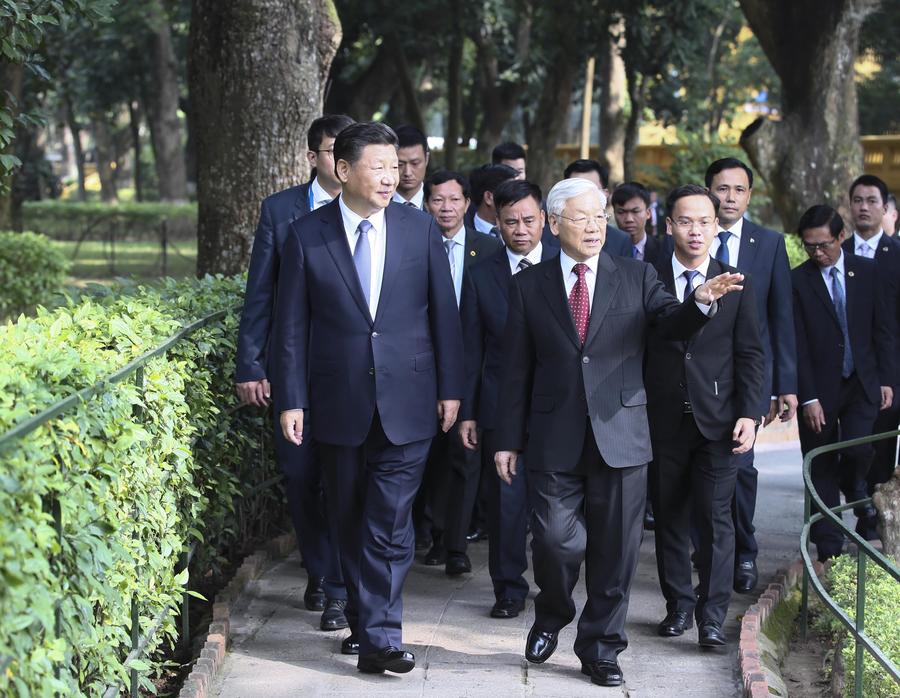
(253, 336)
(781, 325)
(446, 332)
(749, 359)
(806, 380)
(673, 320)
(290, 338)
(515, 381)
(884, 332)
(473, 343)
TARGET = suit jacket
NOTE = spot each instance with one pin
(762, 254)
(654, 252)
(719, 370)
(820, 343)
(400, 362)
(479, 246)
(552, 386)
(484, 307)
(277, 212)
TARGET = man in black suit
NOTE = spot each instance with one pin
(631, 207)
(512, 155)
(484, 308)
(452, 473)
(325, 588)
(412, 156)
(617, 242)
(572, 398)
(482, 216)
(367, 338)
(845, 360)
(868, 206)
(760, 253)
(703, 397)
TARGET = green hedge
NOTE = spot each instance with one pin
(133, 492)
(32, 271)
(125, 221)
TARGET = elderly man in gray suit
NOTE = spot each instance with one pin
(572, 398)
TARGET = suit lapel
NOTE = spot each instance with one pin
(501, 272)
(395, 244)
(301, 203)
(607, 283)
(553, 288)
(332, 232)
(819, 288)
(748, 247)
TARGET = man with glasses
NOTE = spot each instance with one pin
(845, 360)
(572, 399)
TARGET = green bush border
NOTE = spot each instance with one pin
(32, 271)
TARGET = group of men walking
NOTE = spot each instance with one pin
(437, 346)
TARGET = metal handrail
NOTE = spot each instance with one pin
(864, 551)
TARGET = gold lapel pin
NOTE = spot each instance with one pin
(884, 249)
(752, 240)
(472, 253)
(850, 273)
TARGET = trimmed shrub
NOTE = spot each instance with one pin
(63, 220)
(135, 475)
(32, 271)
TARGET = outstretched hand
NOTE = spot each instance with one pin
(713, 289)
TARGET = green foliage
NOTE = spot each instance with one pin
(70, 221)
(32, 270)
(692, 158)
(137, 474)
(796, 254)
(882, 612)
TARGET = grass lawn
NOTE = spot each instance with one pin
(97, 262)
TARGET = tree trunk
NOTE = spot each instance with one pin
(366, 95)
(162, 116)
(454, 91)
(134, 124)
(403, 75)
(257, 70)
(633, 124)
(75, 129)
(550, 119)
(612, 112)
(105, 149)
(887, 502)
(811, 155)
(11, 75)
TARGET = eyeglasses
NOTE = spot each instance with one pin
(813, 247)
(582, 221)
(686, 224)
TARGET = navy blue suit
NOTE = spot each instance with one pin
(371, 386)
(301, 468)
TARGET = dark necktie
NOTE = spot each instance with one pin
(362, 257)
(636, 252)
(840, 307)
(689, 275)
(722, 252)
(523, 264)
(579, 303)
(494, 232)
(448, 244)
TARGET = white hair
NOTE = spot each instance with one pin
(569, 189)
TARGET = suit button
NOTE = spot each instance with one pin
(374, 335)
(585, 359)
(371, 371)
(688, 355)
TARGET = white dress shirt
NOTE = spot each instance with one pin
(459, 258)
(678, 270)
(482, 226)
(319, 197)
(734, 242)
(377, 238)
(866, 248)
(534, 257)
(570, 277)
(417, 199)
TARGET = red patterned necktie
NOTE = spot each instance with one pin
(579, 303)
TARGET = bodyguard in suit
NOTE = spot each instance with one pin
(368, 341)
(325, 589)
(703, 397)
(617, 242)
(412, 157)
(484, 309)
(482, 216)
(452, 473)
(845, 359)
(631, 207)
(572, 398)
(761, 253)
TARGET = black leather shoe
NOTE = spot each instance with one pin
(745, 577)
(476, 534)
(437, 555)
(423, 543)
(457, 564)
(350, 644)
(603, 672)
(387, 659)
(709, 634)
(649, 521)
(674, 624)
(540, 645)
(314, 596)
(333, 617)
(507, 608)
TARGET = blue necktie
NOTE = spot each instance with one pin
(840, 306)
(448, 244)
(690, 275)
(362, 258)
(635, 252)
(722, 252)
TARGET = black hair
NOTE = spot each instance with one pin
(487, 178)
(507, 151)
(868, 180)
(727, 164)
(512, 191)
(686, 190)
(818, 216)
(444, 176)
(349, 143)
(627, 191)
(408, 135)
(329, 125)
(580, 166)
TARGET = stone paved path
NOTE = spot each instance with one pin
(278, 651)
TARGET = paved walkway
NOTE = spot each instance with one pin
(278, 651)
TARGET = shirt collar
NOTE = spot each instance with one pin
(871, 242)
(567, 263)
(481, 225)
(534, 256)
(678, 268)
(735, 229)
(459, 237)
(351, 220)
(320, 197)
(416, 199)
(642, 244)
(839, 265)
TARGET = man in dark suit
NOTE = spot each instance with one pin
(412, 155)
(484, 308)
(703, 397)
(481, 215)
(845, 361)
(761, 253)
(452, 473)
(868, 205)
(325, 588)
(511, 155)
(572, 398)
(367, 338)
(631, 207)
(618, 243)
